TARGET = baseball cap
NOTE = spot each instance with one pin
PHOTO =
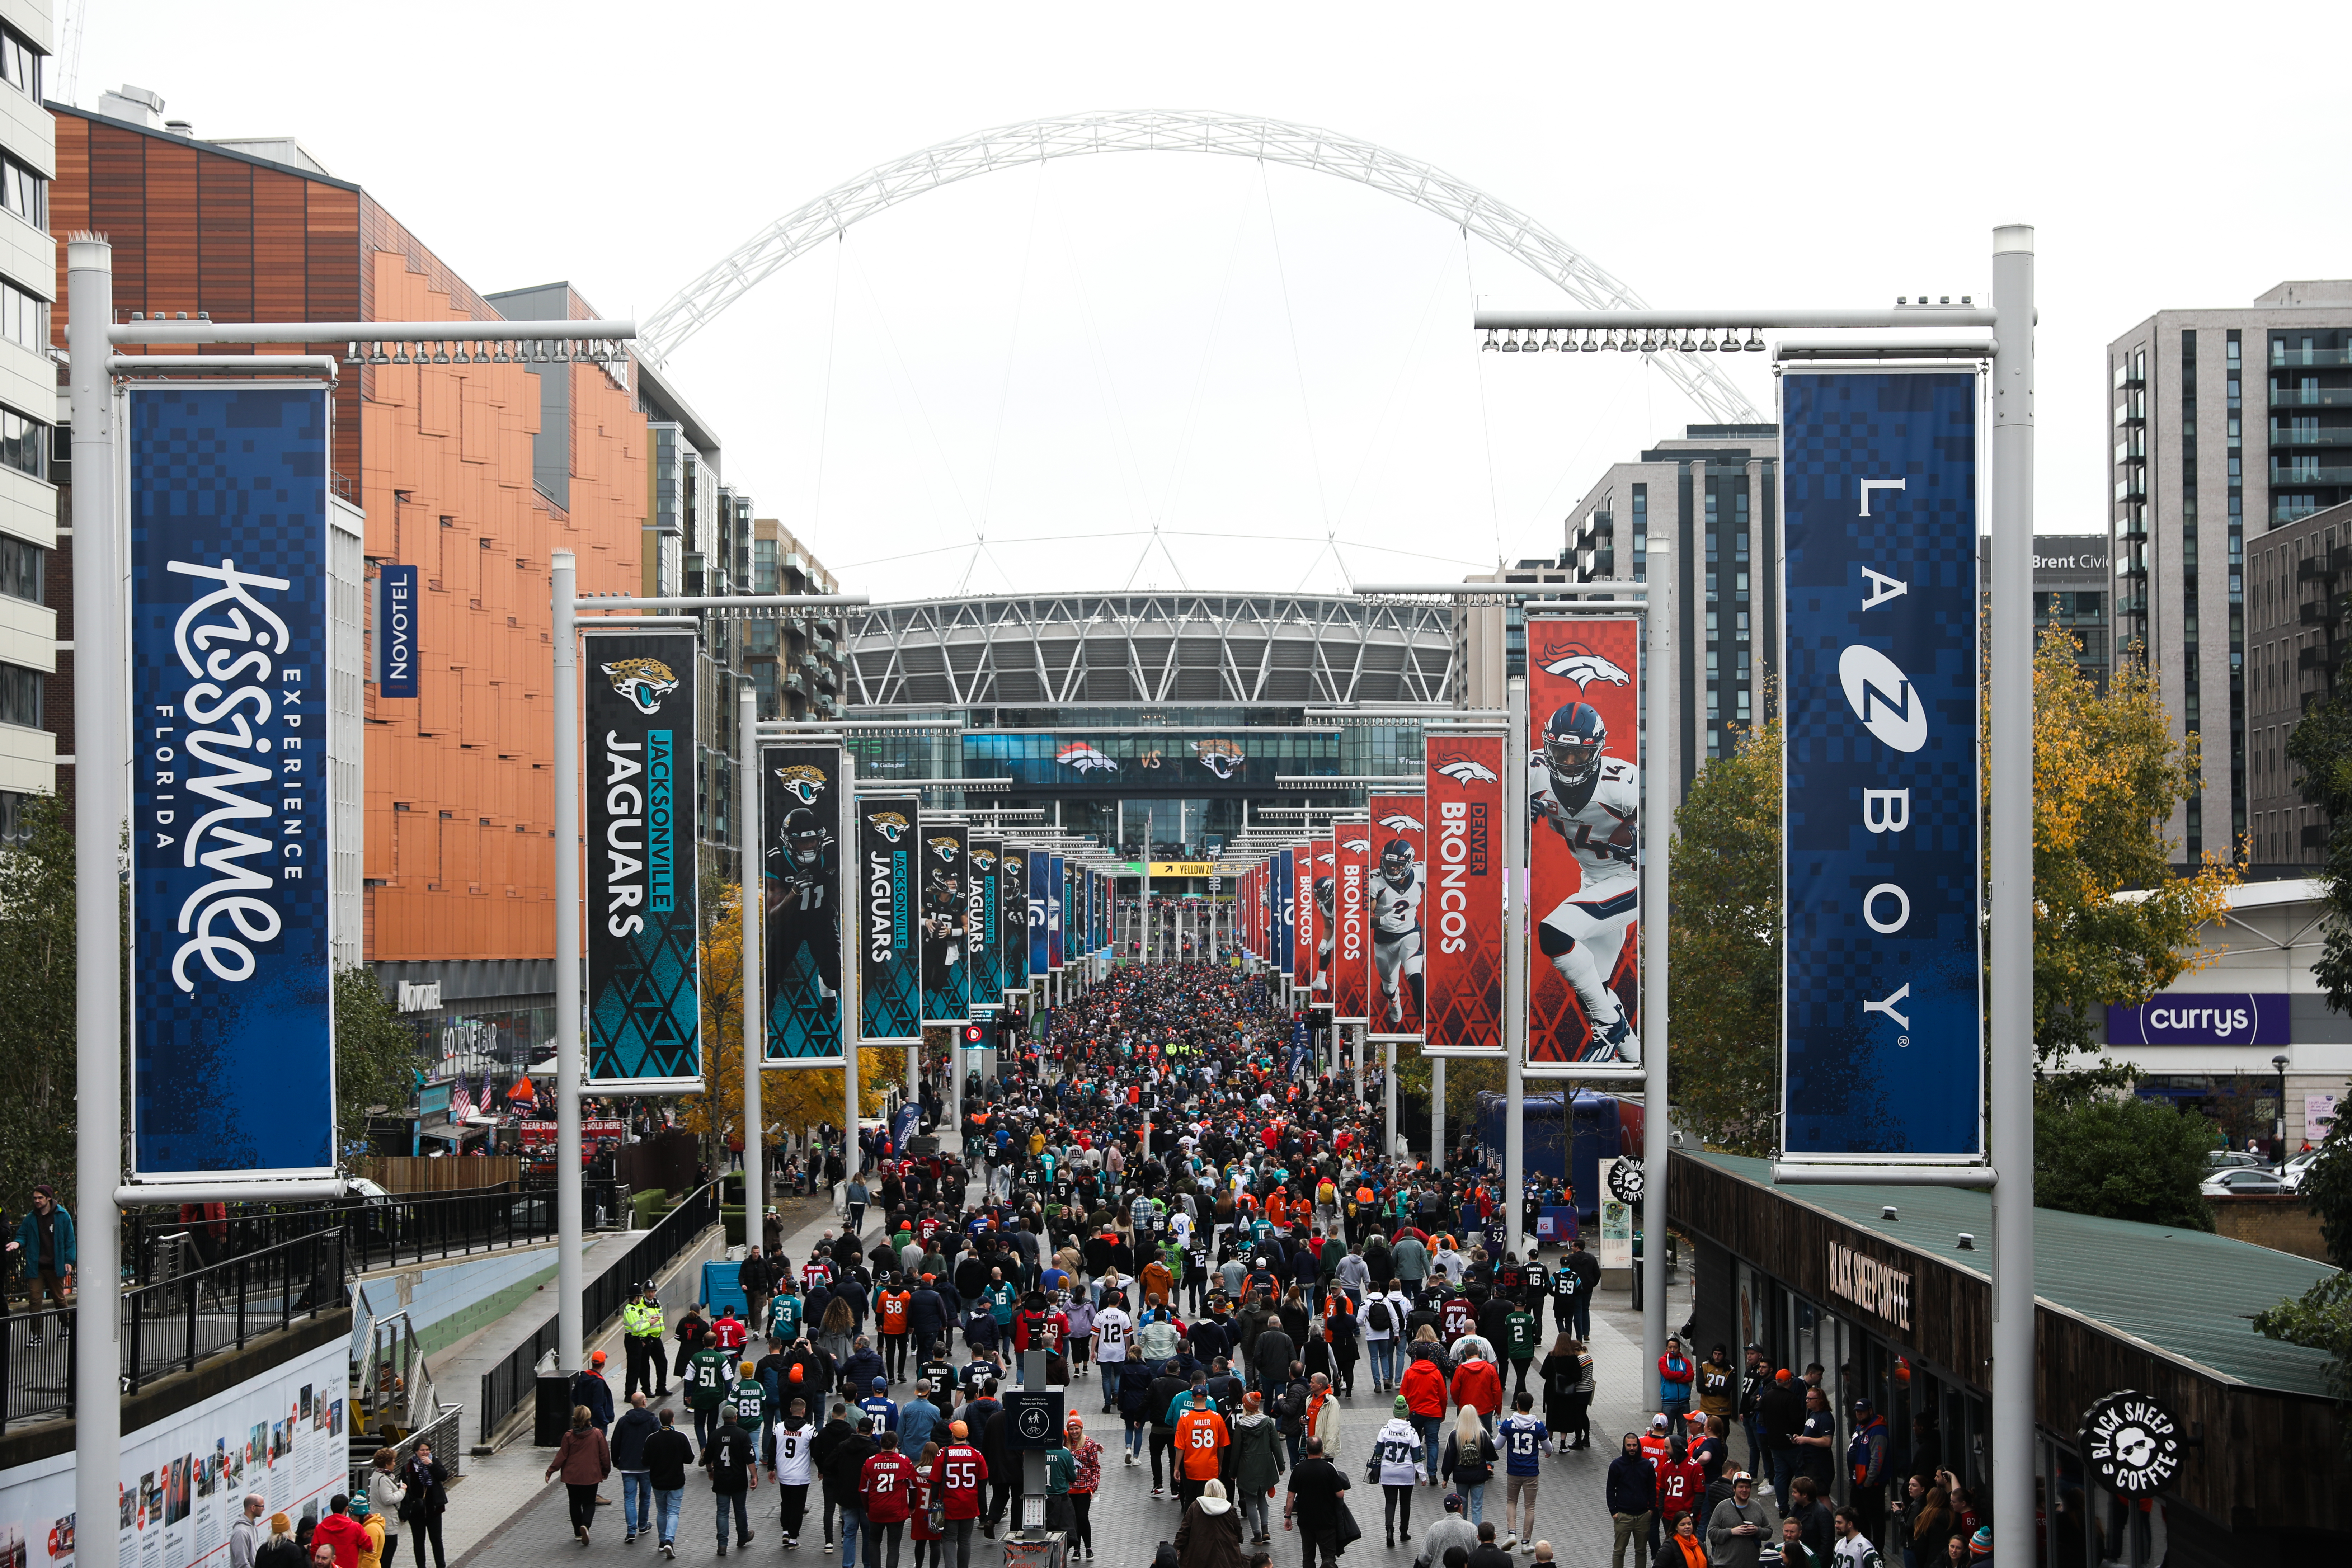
(1862, 1407)
(1781, 1375)
(1658, 1422)
(597, 1359)
(880, 1384)
(1454, 1503)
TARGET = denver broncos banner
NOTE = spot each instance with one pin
(947, 923)
(890, 964)
(645, 1006)
(987, 918)
(1352, 923)
(1464, 894)
(1584, 797)
(1013, 918)
(1397, 879)
(801, 907)
(1320, 907)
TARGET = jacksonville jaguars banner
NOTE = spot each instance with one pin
(1398, 877)
(1351, 925)
(1463, 955)
(1883, 1015)
(1584, 795)
(800, 902)
(645, 1003)
(987, 972)
(1040, 903)
(1058, 905)
(889, 961)
(1013, 903)
(947, 923)
(233, 1052)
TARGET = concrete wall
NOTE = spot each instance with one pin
(447, 1300)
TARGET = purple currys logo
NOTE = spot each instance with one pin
(2204, 1018)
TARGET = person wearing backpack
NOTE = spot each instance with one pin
(1383, 1320)
(1469, 1462)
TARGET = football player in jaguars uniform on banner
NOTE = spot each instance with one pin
(1588, 877)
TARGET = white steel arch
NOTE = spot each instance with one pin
(1507, 228)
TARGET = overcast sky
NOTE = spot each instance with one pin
(1254, 359)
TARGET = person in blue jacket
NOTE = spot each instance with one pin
(45, 1251)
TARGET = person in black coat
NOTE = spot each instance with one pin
(1632, 1499)
(424, 1502)
(666, 1455)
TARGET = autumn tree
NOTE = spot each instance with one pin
(37, 1006)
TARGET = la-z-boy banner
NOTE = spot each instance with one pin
(645, 1004)
(1351, 925)
(1584, 798)
(1399, 881)
(1013, 901)
(1463, 943)
(947, 923)
(233, 1035)
(1883, 1024)
(800, 813)
(890, 964)
(1041, 911)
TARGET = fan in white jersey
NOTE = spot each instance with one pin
(1112, 1327)
(1592, 801)
(1396, 925)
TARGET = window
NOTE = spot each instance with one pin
(24, 317)
(23, 444)
(20, 695)
(23, 193)
(20, 63)
(15, 831)
(22, 567)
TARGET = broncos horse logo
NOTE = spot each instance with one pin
(802, 783)
(1583, 666)
(1397, 822)
(644, 682)
(1463, 770)
(890, 824)
(945, 848)
(1220, 757)
(1085, 756)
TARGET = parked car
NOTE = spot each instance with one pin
(2293, 1173)
(2226, 1159)
(2244, 1181)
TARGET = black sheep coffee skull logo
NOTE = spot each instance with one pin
(1625, 1180)
(2132, 1444)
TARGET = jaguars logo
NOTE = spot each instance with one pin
(1220, 757)
(983, 861)
(644, 682)
(802, 783)
(945, 848)
(890, 824)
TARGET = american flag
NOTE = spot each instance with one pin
(461, 1103)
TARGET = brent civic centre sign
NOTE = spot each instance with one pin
(2204, 1018)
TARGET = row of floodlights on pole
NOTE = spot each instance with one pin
(537, 351)
(1593, 340)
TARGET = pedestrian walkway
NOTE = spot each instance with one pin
(505, 1513)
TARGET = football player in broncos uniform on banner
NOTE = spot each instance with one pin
(1590, 800)
(1396, 927)
(1326, 902)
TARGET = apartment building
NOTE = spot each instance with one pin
(1490, 640)
(29, 404)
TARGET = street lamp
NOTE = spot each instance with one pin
(2278, 1117)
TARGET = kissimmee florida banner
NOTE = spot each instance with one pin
(1013, 902)
(1041, 914)
(801, 876)
(1463, 894)
(987, 857)
(947, 923)
(1398, 880)
(1351, 922)
(1881, 1015)
(645, 1004)
(1584, 797)
(233, 1037)
(890, 964)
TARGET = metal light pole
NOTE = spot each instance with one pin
(1388, 1104)
(2010, 941)
(753, 897)
(1436, 1113)
(1658, 772)
(1516, 891)
(564, 582)
(101, 805)
(2278, 1123)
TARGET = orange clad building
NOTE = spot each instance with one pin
(458, 854)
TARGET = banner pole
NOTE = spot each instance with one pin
(1437, 1114)
(1388, 1101)
(2011, 701)
(562, 573)
(1657, 819)
(748, 795)
(103, 697)
(1516, 890)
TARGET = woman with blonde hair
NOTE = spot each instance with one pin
(1469, 1462)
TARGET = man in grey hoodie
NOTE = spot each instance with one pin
(1450, 1531)
(1741, 1524)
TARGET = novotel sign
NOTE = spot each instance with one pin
(2204, 1018)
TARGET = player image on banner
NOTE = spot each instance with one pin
(1326, 906)
(1584, 797)
(890, 971)
(800, 911)
(1463, 903)
(1396, 882)
(1013, 913)
(947, 921)
(1352, 923)
(987, 973)
(643, 1002)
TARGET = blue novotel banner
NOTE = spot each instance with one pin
(644, 993)
(396, 631)
(233, 1038)
(1041, 872)
(1882, 1009)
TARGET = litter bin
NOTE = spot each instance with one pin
(553, 1414)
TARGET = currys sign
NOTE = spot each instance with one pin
(232, 1043)
(1882, 1017)
(2204, 1018)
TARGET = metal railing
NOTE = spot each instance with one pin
(506, 1387)
(378, 1232)
(442, 1432)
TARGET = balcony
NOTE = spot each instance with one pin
(2128, 605)
(2311, 568)
(2318, 658)
(793, 682)
(2297, 475)
(2321, 612)
(2127, 375)
(2311, 397)
(2132, 486)
(2285, 358)
(2310, 435)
